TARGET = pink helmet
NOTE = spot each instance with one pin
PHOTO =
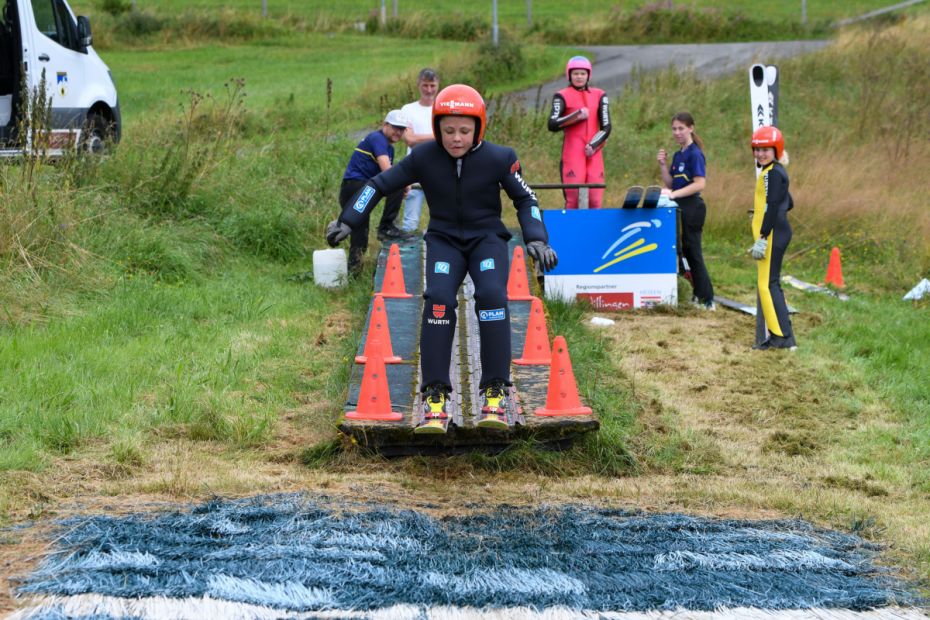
(577, 62)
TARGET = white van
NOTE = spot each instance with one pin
(37, 35)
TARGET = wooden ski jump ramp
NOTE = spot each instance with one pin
(404, 318)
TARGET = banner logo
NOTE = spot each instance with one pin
(442, 267)
(364, 199)
(498, 314)
(487, 264)
(439, 311)
(633, 249)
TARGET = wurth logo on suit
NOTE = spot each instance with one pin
(438, 318)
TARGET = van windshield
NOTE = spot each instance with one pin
(54, 21)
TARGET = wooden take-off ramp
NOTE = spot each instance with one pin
(527, 395)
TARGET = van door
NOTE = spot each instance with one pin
(56, 49)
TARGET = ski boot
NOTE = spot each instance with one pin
(435, 416)
(495, 402)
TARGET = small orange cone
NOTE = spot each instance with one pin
(374, 399)
(562, 397)
(518, 287)
(393, 285)
(536, 349)
(378, 329)
(835, 270)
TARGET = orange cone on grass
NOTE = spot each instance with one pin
(374, 399)
(835, 270)
(378, 330)
(393, 285)
(562, 397)
(536, 350)
(518, 287)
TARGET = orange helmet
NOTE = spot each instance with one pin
(769, 136)
(460, 100)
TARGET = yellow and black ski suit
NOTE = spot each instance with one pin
(770, 221)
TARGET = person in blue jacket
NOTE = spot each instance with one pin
(461, 175)
(374, 154)
(685, 178)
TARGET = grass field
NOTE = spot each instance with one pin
(513, 12)
(160, 341)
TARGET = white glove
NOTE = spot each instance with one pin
(758, 248)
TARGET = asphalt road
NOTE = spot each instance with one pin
(614, 64)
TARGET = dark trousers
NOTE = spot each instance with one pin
(358, 240)
(447, 262)
(693, 212)
(779, 240)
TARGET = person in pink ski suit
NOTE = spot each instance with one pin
(582, 113)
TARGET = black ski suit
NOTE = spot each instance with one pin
(770, 221)
(465, 235)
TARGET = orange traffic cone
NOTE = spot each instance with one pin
(835, 270)
(562, 397)
(518, 287)
(393, 285)
(374, 399)
(536, 349)
(378, 330)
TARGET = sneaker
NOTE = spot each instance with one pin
(434, 402)
(710, 306)
(762, 346)
(393, 233)
(494, 406)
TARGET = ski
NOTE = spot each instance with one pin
(813, 288)
(763, 100)
(771, 81)
(651, 198)
(759, 97)
(633, 195)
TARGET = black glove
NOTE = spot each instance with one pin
(336, 231)
(543, 254)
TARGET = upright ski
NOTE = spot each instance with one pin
(633, 195)
(651, 198)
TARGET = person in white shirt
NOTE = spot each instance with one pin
(420, 114)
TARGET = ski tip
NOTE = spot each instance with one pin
(432, 427)
(493, 421)
(757, 74)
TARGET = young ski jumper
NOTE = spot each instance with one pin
(685, 178)
(772, 234)
(583, 114)
(461, 175)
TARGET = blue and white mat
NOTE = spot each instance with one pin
(290, 556)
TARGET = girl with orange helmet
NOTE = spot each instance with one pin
(772, 234)
(583, 114)
(461, 175)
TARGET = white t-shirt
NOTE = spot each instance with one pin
(420, 115)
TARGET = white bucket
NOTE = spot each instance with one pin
(6, 107)
(329, 268)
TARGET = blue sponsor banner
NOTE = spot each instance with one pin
(613, 241)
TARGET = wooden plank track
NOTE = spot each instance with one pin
(528, 393)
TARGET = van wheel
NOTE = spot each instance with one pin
(97, 135)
